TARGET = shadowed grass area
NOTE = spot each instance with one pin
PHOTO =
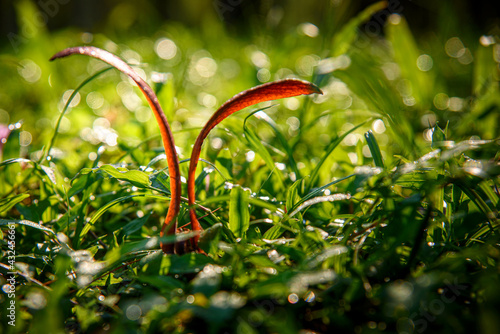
(371, 208)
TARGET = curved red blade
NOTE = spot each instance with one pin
(266, 92)
(169, 226)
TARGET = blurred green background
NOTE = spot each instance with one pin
(236, 39)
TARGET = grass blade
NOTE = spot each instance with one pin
(333, 144)
(321, 199)
(27, 223)
(374, 149)
(47, 149)
(239, 216)
(343, 40)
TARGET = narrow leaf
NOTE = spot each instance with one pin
(26, 223)
(75, 92)
(317, 191)
(135, 177)
(9, 202)
(136, 224)
(239, 216)
(321, 199)
(292, 195)
(407, 56)
(333, 144)
(374, 149)
(343, 40)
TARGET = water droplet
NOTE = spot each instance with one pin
(308, 29)
(133, 312)
(293, 298)
(310, 297)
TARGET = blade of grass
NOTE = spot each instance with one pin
(27, 223)
(321, 199)
(47, 149)
(333, 144)
(344, 39)
(406, 54)
(319, 190)
(239, 216)
(284, 142)
(374, 149)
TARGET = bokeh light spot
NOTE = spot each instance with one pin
(424, 62)
(165, 48)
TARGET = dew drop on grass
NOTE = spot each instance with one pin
(308, 29)
(487, 40)
(280, 166)
(250, 156)
(366, 151)
(378, 126)
(428, 135)
(353, 157)
(394, 19)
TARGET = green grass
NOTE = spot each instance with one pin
(372, 208)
